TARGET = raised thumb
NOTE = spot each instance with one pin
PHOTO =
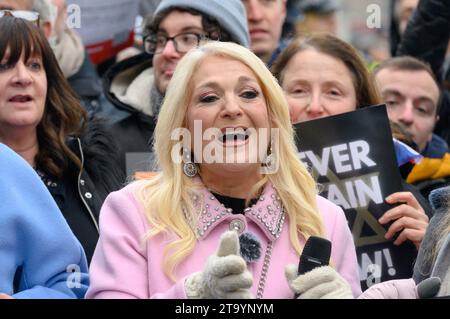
(229, 244)
(290, 272)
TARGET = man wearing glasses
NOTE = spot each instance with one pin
(137, 86)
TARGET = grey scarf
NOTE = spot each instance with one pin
(156, 100)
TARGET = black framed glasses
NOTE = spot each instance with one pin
(31, 16)
(183, 42)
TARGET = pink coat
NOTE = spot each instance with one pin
(392, 289)
(124, 265)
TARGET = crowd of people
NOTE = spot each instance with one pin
(100, 200)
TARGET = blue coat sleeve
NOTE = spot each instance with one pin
(39, 255)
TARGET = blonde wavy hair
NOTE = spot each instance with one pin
(167, 197)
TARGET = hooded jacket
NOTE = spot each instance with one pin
(127, 86)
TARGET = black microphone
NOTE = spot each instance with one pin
(316, 253)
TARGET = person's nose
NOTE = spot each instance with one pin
(314, 108)
(231, 109)
(406, 115)
(169, 51)
(22, 75)
(254, 12)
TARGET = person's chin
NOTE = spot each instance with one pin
(235, 167)
(162, 86)
(24, 121)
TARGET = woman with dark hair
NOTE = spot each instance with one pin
(322, 76)
(42, 120)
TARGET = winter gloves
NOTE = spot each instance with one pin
(319, 283)
(225, 275)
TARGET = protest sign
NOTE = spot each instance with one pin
(352, 157)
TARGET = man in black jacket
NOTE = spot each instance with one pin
(411, 93)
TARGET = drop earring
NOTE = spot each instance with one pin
(271, 163)
(189, 167)
(270, 158)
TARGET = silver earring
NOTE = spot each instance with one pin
(269, 160)
(189, 168)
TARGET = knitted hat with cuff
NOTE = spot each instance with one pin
(230, 14)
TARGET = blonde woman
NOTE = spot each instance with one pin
(185, 232)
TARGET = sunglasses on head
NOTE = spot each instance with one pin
(31, 16)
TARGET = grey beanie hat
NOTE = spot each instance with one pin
(230, 14)
(317, 6)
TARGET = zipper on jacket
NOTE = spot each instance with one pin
(79, 189)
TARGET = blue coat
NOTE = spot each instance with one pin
(39, 255)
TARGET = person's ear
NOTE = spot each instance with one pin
(46, 27)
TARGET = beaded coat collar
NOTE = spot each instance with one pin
(268, 213)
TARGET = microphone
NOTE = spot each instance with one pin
(316, 253)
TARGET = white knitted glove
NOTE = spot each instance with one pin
(320, 283)
(225, 275)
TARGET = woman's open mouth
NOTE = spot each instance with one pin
(234, 137)
(21, 99)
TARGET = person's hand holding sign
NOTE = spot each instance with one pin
(408, 219)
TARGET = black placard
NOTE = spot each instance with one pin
(352, 157)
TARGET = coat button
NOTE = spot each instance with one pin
(88, 195)
(82, 182)
(238, 225)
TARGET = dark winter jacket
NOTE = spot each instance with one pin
(427, 34)
(426, 38)
(432, 171)
(88, 87)
(128, 85)
(394, 33)
(80, 192)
